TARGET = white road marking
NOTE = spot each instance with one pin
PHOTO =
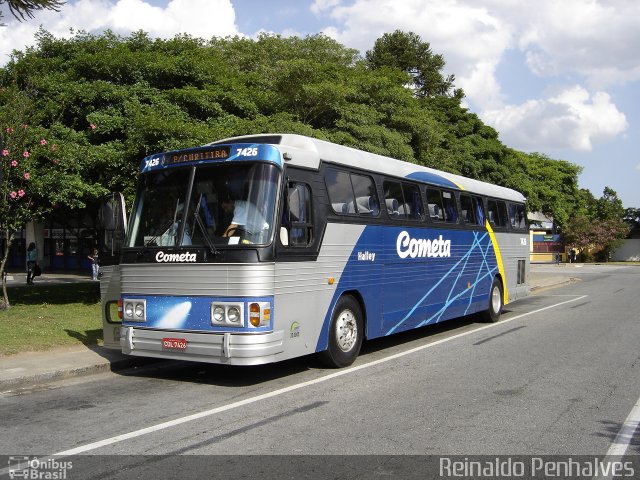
(625, 435)
(224, 408)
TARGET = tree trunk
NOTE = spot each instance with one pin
(5, 297)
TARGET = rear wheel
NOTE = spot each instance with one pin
(345, 334)
(492, 314)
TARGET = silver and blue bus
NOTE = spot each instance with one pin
(261, 248)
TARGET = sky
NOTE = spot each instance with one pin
(559, 77)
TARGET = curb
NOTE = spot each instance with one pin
(35, 380)
(543, 288)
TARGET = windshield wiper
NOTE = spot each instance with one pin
(212, 248)
(148, 243)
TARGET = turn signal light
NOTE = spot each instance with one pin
(254, 314)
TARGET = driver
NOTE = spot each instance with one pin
(245, 217)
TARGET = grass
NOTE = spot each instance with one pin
(43, 317)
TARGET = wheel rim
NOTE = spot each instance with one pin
(346, 330)
(496, 299)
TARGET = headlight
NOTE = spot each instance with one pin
(218, 314)
(227, 314)
(233, 314)
(134, 310)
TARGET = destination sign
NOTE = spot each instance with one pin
(213, 153)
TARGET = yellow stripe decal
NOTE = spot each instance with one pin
(496, 250)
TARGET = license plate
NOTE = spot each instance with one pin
(174, 344)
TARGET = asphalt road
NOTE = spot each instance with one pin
(558, 375)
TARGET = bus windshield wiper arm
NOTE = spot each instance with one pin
(154, 238)
(205, 235)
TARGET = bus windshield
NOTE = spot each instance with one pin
(228, 204)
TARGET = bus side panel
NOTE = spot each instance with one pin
(110, 293)
(304, 294)
(515, 257)
(433, 275)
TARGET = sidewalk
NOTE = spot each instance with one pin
(48, 277)
(29, 369)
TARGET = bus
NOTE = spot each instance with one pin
(261, 248)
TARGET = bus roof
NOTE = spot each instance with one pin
(308, 152)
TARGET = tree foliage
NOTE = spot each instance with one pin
(407, 52)
(599, 227)
(23, 9)
(107, 101)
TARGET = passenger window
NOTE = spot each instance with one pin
(434, 204)
(517, 216)
(472, 210)
(402, 200)
(297, 215)
(442, 206)
(366, 198)
(467, 210)
(340, 191)
(479, 210)
(497, 212)
(449, 204)
(352, 193)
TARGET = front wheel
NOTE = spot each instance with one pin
(492, 314)
(345, 334)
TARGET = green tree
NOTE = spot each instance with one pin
(110, 100)
(407, 52)
(599, 228)
(23, 9)
(38, 171)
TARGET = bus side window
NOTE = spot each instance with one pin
(297, 216)
(517, 216)
(468, 212)
(340, 191)
(502, 213)
(449, 207)
(479, 210)
(352, 193)
(434, 202)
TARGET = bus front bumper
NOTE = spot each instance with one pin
(223, 348)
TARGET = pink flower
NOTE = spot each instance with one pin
(9, 130)
(43, 142)
(24, 125)
(93, 126)
(14, 163)
(21, 193)
(54, 147)
(25, 154)
(5, 153)
(56, 161)
(13, 194)
(27, 176)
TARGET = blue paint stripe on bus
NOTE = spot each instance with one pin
(404, 293)
(433, 179)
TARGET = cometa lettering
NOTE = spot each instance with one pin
(421, 247)
(175, 257)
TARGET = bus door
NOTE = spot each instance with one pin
(112, 227)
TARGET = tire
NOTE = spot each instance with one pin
(496, 301)
(345, 334)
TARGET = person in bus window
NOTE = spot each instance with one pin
(246, 218)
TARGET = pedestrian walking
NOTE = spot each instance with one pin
(95, 265)
(32, 262)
